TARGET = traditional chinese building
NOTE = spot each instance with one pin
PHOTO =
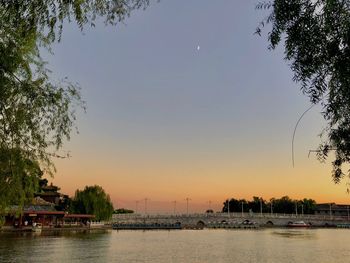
(50, 193)
(43, 212)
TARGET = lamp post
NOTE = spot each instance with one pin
(136, 205)
(228, 207)
(271, 207)
(209, 209)
(187, 200)
(260, 207)
(242, 208)
(302, 210)
(174, 202)
(146, 199)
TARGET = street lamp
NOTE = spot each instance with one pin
(187, 200)
(174, 202)
(302, 209)
(146, 199)
(271, 207)
(228, 207)
(137, 204)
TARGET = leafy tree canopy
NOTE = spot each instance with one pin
(37, 114)
(316, 37)
(284, 205)
(17, 190)
(93, 200)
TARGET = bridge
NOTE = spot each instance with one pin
(231, 219)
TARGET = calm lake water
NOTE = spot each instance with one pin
(186, 246)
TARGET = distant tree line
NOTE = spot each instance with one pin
(283, 205)
(123, 211)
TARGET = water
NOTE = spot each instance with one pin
(185, 246)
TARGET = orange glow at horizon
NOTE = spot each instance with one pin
(202, 182)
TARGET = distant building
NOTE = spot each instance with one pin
(332, 209)
(50, 193)
(49, 208)
(43, 212)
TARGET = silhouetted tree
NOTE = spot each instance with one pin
(236, 205)
(309, 206)
(283, 205)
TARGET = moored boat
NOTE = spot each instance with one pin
(37, 227)
(298, 224)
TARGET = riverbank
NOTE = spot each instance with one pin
(55, 229)
(145, 227)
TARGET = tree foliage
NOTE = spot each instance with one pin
(37, 114)
(309, 205)
(316, 37)
(283, 205)
(93, 200)
(49, 16)
(19, 189)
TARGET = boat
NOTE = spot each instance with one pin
(298, 224)
(37, 227)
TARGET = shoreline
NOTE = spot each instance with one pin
(109, 227)
(53, 229)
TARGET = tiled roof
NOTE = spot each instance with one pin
(79, 216)
(26, 208)
(39, 201)
(44, 212)
(39, 208)
(48, 194)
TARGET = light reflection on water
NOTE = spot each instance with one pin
(201, 246)
(296, 233)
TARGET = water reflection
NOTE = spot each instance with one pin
(63, 246)
(74, 233)
(296, 233)
(204, 246)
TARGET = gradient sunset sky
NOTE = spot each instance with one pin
(167, 120)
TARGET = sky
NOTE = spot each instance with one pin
(185, 101)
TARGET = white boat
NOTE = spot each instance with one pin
(37, 227)
(298, 224)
